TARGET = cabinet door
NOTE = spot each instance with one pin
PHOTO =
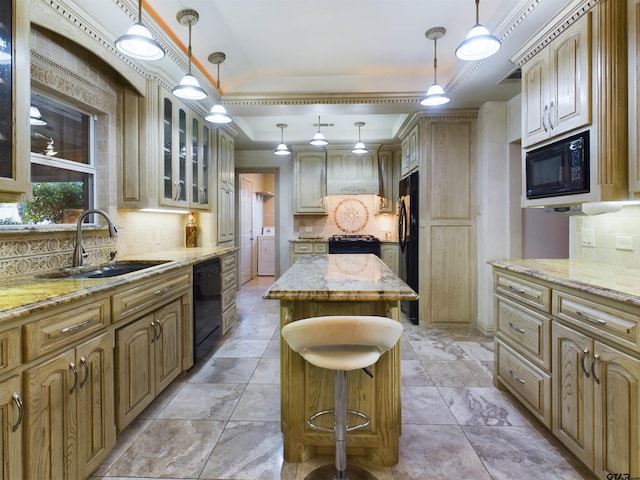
(96, 414)
(309, 183)
(226, 188)
(135, 369)
(167, 344)
(534, 99)
(50, 419)
(389, 166)
(176, 144)
(11, 416)
(391, 256)
(572, 391)
(617, 407)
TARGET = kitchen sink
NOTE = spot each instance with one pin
(102, 271)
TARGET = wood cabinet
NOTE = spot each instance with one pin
(301, 248)
(309, 181)
(352, 174)
(226, 187)
(634, 97)
(390, 254)
(149, 358)
(15, 166)
(69, 419)
(228, 269)
(556, 85)
(410, 152)
(389, 165)
(11, 428)
(582, 352)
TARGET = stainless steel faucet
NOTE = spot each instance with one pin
(78, 253)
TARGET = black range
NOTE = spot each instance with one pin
(354, 244)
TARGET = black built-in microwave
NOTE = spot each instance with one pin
(560, 168)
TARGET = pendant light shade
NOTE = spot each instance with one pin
(189, 88)
(218, 114)
(49, 151)
(479, 43)
(138, 42)
(318, 139)
(435, 95)
(282, 149)
(359, 147)
(35, 117)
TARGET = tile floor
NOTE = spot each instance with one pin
(221, 419)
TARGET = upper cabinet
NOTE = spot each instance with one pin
(389, 160)
(352, 174)
(226, 187)
(556, 85)
(410, 156)
(309, 181)
(14, 103)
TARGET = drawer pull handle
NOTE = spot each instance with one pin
(599, 321)
(74, 370)
(516, 329)
(161, 292)
(73, 328)
(596, 357)
(521, 291)
(516, 378)
(85, 367)
(18, 402)
(585, 352)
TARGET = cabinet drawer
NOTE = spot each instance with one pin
(526, 292)
(148, 294)
(531, 385)
(303, 247)
(64, 326)
(10, 349)
(228, 298)
(526, 329)
(228, 319)
(228, 263)
(320, 248)
(615, 324)
(229, 280)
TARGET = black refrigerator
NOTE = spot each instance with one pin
(408, 239)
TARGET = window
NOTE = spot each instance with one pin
(63, 170)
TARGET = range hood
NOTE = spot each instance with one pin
(594, 208)
(352, 174)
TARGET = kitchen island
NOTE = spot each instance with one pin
(318, 285)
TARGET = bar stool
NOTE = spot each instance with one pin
(341, 343)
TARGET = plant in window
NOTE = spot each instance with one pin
(51, 199)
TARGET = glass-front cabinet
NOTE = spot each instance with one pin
(186, 157)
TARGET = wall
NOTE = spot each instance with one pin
(606, 230)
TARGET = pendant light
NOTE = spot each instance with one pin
(435, 95)
(189, 88)
(35, 117)
(138, 42)
(318, 139)
(49, 151)
(359, 147)
(479, 43)
(282, 149)
(218, 113)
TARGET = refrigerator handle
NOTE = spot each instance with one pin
(402, 225)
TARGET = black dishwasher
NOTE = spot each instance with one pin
(207, 307)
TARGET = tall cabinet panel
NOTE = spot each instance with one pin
(226, 187)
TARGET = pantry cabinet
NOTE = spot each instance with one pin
(556, 85)
(226, 187)
(69, 419)
(11, 428)
(309, 181)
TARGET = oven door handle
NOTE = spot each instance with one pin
(402, 225)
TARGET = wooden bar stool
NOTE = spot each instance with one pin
(341, 344)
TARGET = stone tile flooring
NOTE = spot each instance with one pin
(221, 419)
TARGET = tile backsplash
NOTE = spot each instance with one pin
(612, 238)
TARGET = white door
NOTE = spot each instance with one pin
(246, 233)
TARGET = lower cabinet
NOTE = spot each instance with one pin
(229, 285)
(11, 415)
(69, 412)
(299, 249)
(149, 358)
(390, 253)
(596, 400)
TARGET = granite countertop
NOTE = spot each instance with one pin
(615, 282)
(344, 277)
(24, 295)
